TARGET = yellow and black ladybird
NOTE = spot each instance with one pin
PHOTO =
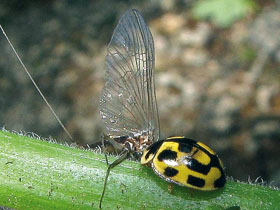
(185, 162)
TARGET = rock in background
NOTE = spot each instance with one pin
(220, 86)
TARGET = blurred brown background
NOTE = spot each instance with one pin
(217, 73)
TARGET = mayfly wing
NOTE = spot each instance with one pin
(128, 100)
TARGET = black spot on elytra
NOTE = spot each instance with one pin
(186, 148)
(195, 181)
(167, 155)
(214, 161)
(170, 172)
(152, 149)
(221, 181)
(198, 167)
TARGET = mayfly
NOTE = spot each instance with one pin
(129, 110)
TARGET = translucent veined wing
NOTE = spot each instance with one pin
(128, 100)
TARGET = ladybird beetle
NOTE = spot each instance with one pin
(185, 162)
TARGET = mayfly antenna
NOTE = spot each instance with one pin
(36, 86)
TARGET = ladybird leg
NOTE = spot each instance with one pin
(124, 156)
(170, 188)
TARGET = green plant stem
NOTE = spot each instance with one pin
(37, 174)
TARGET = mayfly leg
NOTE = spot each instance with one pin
(104, 148)
(123, 156)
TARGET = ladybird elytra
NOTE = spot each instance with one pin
(185, 162)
